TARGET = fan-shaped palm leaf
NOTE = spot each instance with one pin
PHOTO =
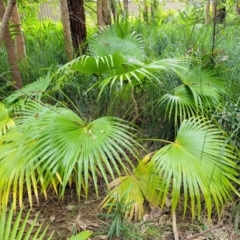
(205, 84)
(97, 65)
(6, 121)
(134, 72)
(50, 145)
(16, 228)
(31, 90)
(117, 38)
(198, 165)
(133, 189)
(202, 88)
(181, 102)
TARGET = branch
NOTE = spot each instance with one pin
(6, 16)
(174, 225)
(202, 233)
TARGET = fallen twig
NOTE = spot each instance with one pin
(174, 225)
(202, 233)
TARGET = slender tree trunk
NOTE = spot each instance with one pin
(105, 12)
(67, 30)
(78, 25)
(19, 38)
(12, 57)
(207, 13)
(103, 16)
(5, 18)
(125, 4)
(219, 11)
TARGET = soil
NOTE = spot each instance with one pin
(69, 216)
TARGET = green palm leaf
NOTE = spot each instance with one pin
(181, 102)
(134, 72)
(32, 90)
(201, 89)
(198, 164)
(205, 84)
(117, 38)
(97, 65)
(50, 145)
(6, 121)
(81, 236)
(132, 190)
(16, 228)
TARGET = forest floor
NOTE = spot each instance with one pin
(69, 216)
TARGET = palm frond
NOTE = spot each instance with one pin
(201, 89)
(16, 228)
(132, 190)
(113, 38)
(97, 65)
(180, 104)
(51, 145)
(32, 90)
(199, 165)
(205, 84)
(6, 121)
(81, 236)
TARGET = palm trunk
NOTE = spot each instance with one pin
(125, 4)
(66, 30)
(5, 17)
(78, 25)
(219, 12)
(12, 57)
(103, 16)
(19, 38)
(207, 13)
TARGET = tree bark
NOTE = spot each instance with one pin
(103, 16)
(5, 18)
(207, 13)
(12, 57)
(67, 30)
(19, 38)
(219, 11)
(125, 4)
(78, 25)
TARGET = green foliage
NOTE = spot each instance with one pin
(34, 90)
(6, 121)
(42, 156)
(81, 236)
(119, 227)
(117, 38)
(201, 89)
(44, 47)
(199, 163)
(16, 228)
(134, 75)
(198, 166)
(133, 189)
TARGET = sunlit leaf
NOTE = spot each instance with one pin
(50, 145)
(199, 165)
